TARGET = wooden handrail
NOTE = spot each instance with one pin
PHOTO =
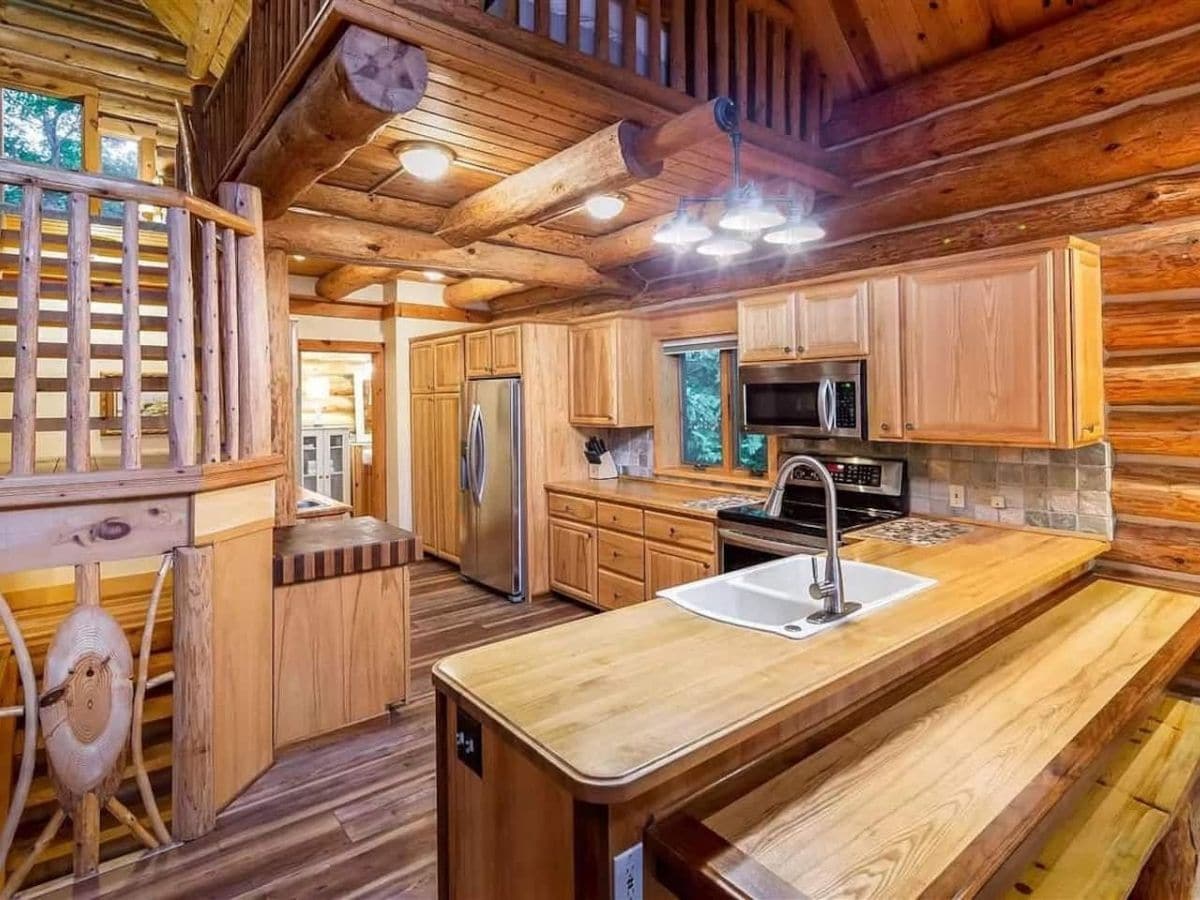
(108, 187)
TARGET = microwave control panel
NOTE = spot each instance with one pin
(846, 397)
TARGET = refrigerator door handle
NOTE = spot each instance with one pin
(470, 457)
(480, 458)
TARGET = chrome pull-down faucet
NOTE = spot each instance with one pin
(829, 588)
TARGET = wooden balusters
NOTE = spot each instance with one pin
(700, 51)
(741, 54)
(721, 40)
(210, 361)
(654, 43)
(629, 35)
(778, 104)
(795, 69)
(602, 25)
(758, 108)
(24, 413)
(79, 332)
(677, 45)
(541, 17)
(573, 25)
(181, 341)
(229, 342)
(131, 342)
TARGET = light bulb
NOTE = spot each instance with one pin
(428, 162)
(682, 231)
(723, 247)
(795, 232)
(434, 275)
(751, 214)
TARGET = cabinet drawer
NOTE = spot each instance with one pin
(577, 508)
(621, 553)
(678, 530)
(614, 591)
(667, 567)
(619, 518)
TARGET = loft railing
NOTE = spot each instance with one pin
(187, 299)
(746, 49)
(255, 79)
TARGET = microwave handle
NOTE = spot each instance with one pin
(826, 406)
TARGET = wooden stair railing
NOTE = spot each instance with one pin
(199, 280)
(750, 50)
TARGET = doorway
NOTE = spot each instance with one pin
(343, 423)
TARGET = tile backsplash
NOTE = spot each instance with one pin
(1068, 490)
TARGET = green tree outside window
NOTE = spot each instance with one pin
(704, 414)
(41, 129)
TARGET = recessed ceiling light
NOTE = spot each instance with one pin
(298, 257)
(428, 162)
(434, 275)
(604, 206)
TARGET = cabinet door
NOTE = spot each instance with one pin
(424, 470)
(592, 364)
(310, 460)
(767, 328)
(374, 640)
(1087, 346)
(978, 353)
(506, 350)
(665, 568)
(573, 559)
(337, 455)
(421, 367)
(447, 427)
(831, 321)
(448, 364)
(310, 686)
(885, 377)
(478, 351)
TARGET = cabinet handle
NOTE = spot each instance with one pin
(909, 426)
(884, 426)
(799, 348)
(1092, 427)
(787, 349)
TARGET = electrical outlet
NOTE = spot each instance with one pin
(998, 501)
(627, 874)
(958, 496)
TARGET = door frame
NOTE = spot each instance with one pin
(380, 381)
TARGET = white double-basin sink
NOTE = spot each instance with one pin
(774, 596)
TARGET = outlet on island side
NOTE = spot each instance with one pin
(627, 874)
(958, 496)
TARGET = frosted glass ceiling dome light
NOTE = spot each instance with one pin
(724, 247)
(428, 162)
(434, 275)
(682, 231)
(750, 213)
(604, 206)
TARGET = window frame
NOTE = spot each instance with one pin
(669, 452)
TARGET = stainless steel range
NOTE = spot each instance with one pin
(869, 492)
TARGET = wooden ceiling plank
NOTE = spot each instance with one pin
(211, 17)
(376, 245)
(88, 29)
(364, 82)
(1109, 84)
(1083, 37)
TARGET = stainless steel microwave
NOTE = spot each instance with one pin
(820, 399)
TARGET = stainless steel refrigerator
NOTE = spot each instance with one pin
(491, 485)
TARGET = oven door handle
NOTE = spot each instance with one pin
(750, 542)
(827, 406)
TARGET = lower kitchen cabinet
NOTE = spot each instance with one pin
(436, 429)
(638, 552)
(573, 559)
(668, 566)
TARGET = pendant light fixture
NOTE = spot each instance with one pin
(747, 216)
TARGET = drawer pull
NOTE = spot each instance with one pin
(884, 426)
(909, 426)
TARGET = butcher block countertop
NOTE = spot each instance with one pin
(929, 797)
(663, 496)
(327, 549)
(620, 702)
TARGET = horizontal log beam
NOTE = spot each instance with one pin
(1172, 267)
(604, 162)
(362, 243)
(1172, 432)
(1153, 324)
(478, 290)
(1110, 83)
(1161, 492)
(1153, 381)
(1175, 549)
(361, 85)
(1093, 33)
(345, 280)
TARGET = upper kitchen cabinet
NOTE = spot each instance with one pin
(448, 363)
(495, 351)
(825, 321)
(1004, 350)
(421, 368)
(610, 374)
(885, 371)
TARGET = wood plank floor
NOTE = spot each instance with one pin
(351, 815)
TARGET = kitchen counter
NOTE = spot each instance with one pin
(664, 496)
(619, 703)
(314, 550)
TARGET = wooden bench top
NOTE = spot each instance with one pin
(931, 796)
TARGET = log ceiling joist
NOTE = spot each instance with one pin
(210, 21)
(1090, 34)
(366, 81)
(473, 291)
(384, 246)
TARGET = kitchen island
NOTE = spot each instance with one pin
(602, 725)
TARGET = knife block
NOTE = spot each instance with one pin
(605, 469)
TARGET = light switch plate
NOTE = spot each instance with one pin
(998, 501)
(627, 874)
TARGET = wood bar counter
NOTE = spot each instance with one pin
(604, 725)
(341, 623)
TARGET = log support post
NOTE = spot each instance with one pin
(193, 808)
(283, 388)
